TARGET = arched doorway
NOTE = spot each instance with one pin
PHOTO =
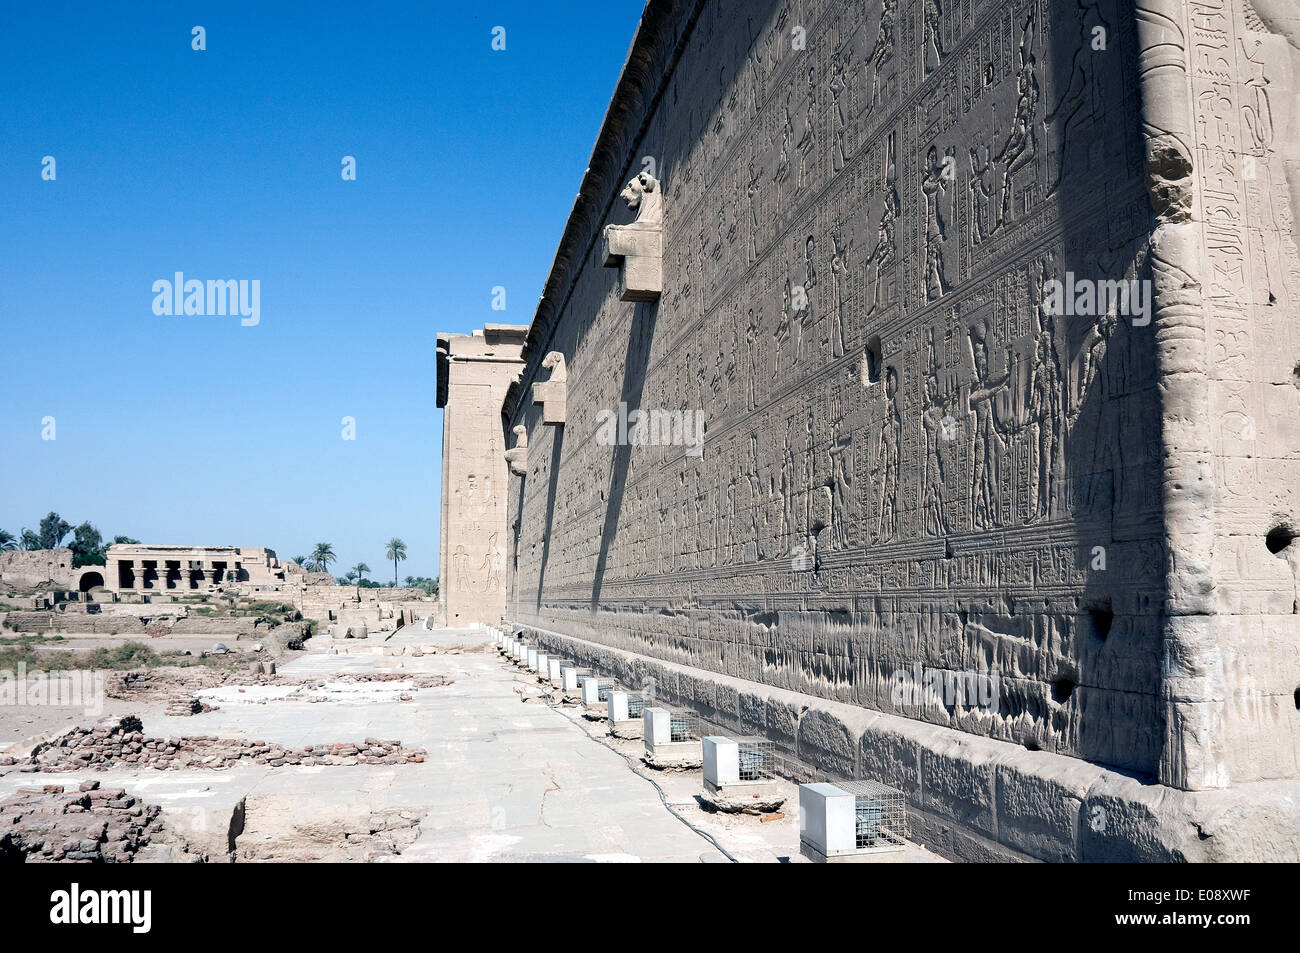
(90, 580)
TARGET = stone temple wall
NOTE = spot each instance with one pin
(29, 569)
(914, 453)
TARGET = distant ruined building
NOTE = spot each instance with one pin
(919, 456)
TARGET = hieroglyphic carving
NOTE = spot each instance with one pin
(922, 446)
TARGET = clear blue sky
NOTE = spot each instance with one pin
(226, 164)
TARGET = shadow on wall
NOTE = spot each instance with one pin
(636, 362)
(557, 448)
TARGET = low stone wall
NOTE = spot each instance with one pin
(225, 626)
(972, 798)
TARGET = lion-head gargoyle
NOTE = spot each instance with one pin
(517, 456)
(554, 362)
(643, 194)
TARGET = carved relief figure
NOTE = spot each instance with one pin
(787, 144)
(839, 282)
(882, 255)
(808, 141)
(883, 51)
(1044, 408)
(1021, 146)
(841, 450)
(839, 83)
(788, 485)
(932, 42)
(1068, 112)
(889, 459)
(981, 190)
(986, 441)
(1096, 392)
(460, 569)
(934, 410)
(933, 186)
(491, 567)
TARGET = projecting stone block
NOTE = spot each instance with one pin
(553, 394)
(637, 249)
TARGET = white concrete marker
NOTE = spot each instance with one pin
(721, 761)
(618, 706)
(827, 819)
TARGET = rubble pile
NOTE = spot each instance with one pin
(103, 747)
(420, 680)
(184, 706)
(89, 825)
(173, 684)
(166, 684)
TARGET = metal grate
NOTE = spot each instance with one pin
(683, 726)
(757, 758)
(635, 704)
(881, 813)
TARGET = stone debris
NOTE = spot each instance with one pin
(671, 764)
(743, 803)
(107, 746)
(186, 705)
(172, 684)
(375, 836)
(89, 825)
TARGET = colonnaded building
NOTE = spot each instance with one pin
(933, 410)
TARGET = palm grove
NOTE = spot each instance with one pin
(88, 547)
(323, 555)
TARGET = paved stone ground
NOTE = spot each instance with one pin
(506, 779)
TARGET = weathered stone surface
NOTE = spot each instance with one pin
(993, 330)
(474, 371)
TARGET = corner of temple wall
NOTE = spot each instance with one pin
(1219, 115)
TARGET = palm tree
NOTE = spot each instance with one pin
(410, 582)
(396, 552)
(323, 555)
(361, 569)
(350, 576)
(301, 561)
(7, 540)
